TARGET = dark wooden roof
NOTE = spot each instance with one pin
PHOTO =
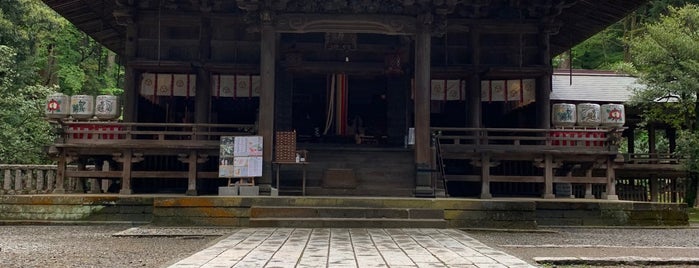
(579, 19)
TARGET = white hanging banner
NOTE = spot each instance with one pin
(184, 85)
(164, 84)
(147, 84)
(528, 91)
(243, 85)
(497, 90)
(514, 90)
(454, 88)
(255, 85)
(438, 89)
(485, 90)
(223, 85)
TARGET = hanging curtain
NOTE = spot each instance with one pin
(331, 106)
(341, 105)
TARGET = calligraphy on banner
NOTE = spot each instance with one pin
(519, 90)
(235, 86)
(182, 85)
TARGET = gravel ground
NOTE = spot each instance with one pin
(96, 246)
(92, 246)
(595, 242)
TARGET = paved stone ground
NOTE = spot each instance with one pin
(291, 247)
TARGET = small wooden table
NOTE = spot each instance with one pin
(303, 165)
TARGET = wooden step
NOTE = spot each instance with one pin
(346, 217)
(345, 212)
(347, 223)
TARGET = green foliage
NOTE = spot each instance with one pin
(668, 59)
(23, 132)
(41, 52)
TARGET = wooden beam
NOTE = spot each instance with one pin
(346, 23)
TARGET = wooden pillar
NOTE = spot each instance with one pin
(611, 179)
(95, 183)
(543, 88)
(202, 99)
(130, 74)
(266, 110)
(474, 82)
(548, 177)
(126, 172)
(423, 181)
(61, 174)
(485, 176)
(631, 141)
(651, 143)
(653, 181)
(588, 186)
(192, 173)
(671, 134)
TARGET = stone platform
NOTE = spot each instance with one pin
(335, 212)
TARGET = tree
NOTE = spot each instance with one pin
(43, 52)
(667, 58)
(23, 132)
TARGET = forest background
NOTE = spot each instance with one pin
(41, 52)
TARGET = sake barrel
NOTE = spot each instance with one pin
(613, 115)
(563, 114)
(589, 115)
(81, 106)
(57, 106)
(106, 107)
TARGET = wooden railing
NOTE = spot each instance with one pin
(34, 179)
(528, 140)
(652, 158)
(147, 135)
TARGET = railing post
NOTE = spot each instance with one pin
(611, 180)
(59, 187)
(485, 176)
(40, 180)
(588, 186)
(548, 177)
(50, 180)
(7, 182)
(31, 184)
(18, 181)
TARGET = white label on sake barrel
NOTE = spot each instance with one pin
(613, 115)
(106, 107)
(563, 114)
(57, 106)
(589, 114)
(81, 106)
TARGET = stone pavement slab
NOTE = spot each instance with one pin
(330, 247)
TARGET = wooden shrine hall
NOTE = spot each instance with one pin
(383, 95)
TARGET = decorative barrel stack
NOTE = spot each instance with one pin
(85, 108)
(574, 122)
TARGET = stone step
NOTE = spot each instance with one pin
(346, 212)
(346, 223)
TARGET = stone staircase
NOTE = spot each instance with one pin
(346, 217)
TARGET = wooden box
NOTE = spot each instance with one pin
(285, 146)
